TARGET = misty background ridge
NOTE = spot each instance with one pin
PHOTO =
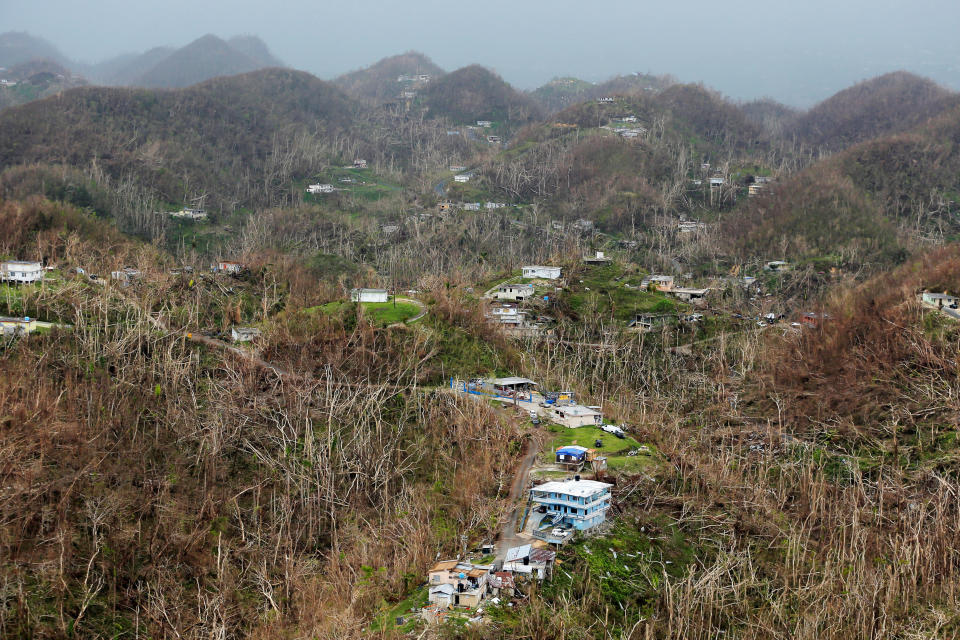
(796, 53)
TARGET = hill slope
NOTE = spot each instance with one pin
(218, 136)
(204, 58)
(475, 93)
(19, 47)
(887, 104)
(379, 82)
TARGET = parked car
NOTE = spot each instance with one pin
(614, 429)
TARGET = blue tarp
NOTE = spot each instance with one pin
(572, 451)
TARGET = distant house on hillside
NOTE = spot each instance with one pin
(188, 213)
(486, 124)
(688, 294)
(939, 300)
(660, 283)
(583, 504)
(690, 226)
(125, 275)
(244, 334)
(649, 321)
(494, 139)
(453, 583)
(754, 189)
(471, 206)
(514, 292)
(462, 177)
(320, 188)
(359, 164)
(777, 266)
(369, 295)
(716, 183)
(21, 271)
(227, 266)
(599, 258)
(541, 272)
(457, 168)
(529, 560)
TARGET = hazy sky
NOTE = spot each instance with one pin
(796, 51)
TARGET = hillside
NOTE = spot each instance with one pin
(36, 79)
(19, 47)
(884, 105)
(475, 93)
(123, 70)
(381, 82)
(217, 137)
(869, 203)
(204, 58)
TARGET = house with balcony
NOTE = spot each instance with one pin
(20, 271)
(573, 504)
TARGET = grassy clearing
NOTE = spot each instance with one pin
(614, 448)
(380, 313)
(605, 291)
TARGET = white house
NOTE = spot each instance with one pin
(457, 168)
(540, 271)
(716, 182)
(359, 163)
(462, 177)
(368, 295)
(190, 214)
(471, 206)
(660, 283)
(494, 139)
(576, 415)
(528, 560)
(228, 266)
(688, 294)
(599, 258)
(484, 123)
(125, 275)
(244, 334)
(582, 504)
(514, 292)
(320, 188)
(939, 300)
(456, 583)
(21, 271)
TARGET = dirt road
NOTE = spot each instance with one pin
(508, 535)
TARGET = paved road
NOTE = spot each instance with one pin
(508, 535)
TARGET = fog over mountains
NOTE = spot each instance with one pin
(796, 53)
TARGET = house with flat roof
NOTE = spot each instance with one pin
(575, 415)
(660, 283)
(227, 266)
(691, 295)
(369, 295)
(777, 266)
(598, 258)
(514, 292)
(541, 272)
(650, 321)
(21, 271)
(582, 504)
(939, 300)
(320, 188)
(508, 315)
(529, 560)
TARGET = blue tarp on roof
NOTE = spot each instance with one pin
(573, 451)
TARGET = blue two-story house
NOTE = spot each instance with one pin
(581, 504)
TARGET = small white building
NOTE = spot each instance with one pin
(369, 295)
(21, 271)
(227, 266)
(359, 163)
(688, 294)
(514, 292)
(462, 177)
(486, 124)
(457, 168)
(244, 334)
(576, 415)
(320, 188)
(939, 300)
(471, 206)
(599, 258)
(188, 213)
(125, 275)
(658, 282)
(531, 561)
(716, 182)
(542, 272)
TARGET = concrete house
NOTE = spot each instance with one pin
(190, 214)
(227, 266)
(688, 294)
(582, 504)
(320, 188)
(576, 415)
(599, 258)
(471, 206)
(649, 321)
(458, 584)
(660, 283)
(457, 168)
(486, 124)
(21, 271)
(125, 275)
(542, 272)
(777, 266)
(939, 300)
(462, 177)
(514, 292)
(369, 295)
(507, 314)
(537, 563)
(359, 163)
(494, 139)
(573, 457)
(754, 189)
(716, 183)
(245, 334)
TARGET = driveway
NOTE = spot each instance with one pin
(508, 535)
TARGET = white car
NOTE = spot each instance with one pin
(614, 429)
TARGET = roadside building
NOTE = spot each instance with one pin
(939, 300)
(369, 295)
(582, 504)
(531, 561)
(576, 415)
(458, 584)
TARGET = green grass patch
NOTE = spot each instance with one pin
(379, 313)
(613, 448)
